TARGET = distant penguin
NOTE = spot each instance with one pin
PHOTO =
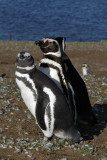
(86, 70)
(44, 100)
(55, 47)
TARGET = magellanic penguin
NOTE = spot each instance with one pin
(51, 65)
(55, 47)
(44, 100)
(86, 70)
(85, 113)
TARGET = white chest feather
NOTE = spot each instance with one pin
(84, 71)
(53, 74)
(55, 77)
(28, 96)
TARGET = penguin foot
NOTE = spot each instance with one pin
(45, 139)
(78, 139)
(72, 133)
(75, 134)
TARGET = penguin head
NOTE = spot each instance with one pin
(86, 69)
(52, 45)
(84, 65)
(24, 59)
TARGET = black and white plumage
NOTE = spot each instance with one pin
(86, 70)
(75, 83)
(84, 110)
(51, 64)
(45, 100)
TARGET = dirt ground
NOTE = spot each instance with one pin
(20, 137)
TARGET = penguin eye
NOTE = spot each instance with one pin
(28, 57)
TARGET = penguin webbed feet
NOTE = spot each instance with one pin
(77, 140)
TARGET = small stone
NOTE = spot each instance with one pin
(81, 142)
(11, 113)
(72, 146)
(26, 152)
(2, 111)
(105, 154)
(63, 159)
(1, 135)
(29, 116)
(66, 143)
(3, 159)
(23, 119)
(37, 149)
(76, 144)
(10, 146)
(86, 145)
(49, 145)
(19, 127)
(29, 155)
(103, 158)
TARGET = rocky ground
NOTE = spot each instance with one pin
(20, 137)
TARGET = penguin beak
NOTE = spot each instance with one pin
(37, 43)
(42, 43)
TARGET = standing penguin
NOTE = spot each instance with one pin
(84, 110)
(45, 100)
(51, 64)
(54, 47)
(86, 70)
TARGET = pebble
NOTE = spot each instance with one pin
(103, 158)
(29, 116)
(63, 159)
(11, 113)
(72, 146)
(1, 79)
(29, 155)
(37, 149)
(105, 154)
(19, 127)
(47, 146)
(25, 144)
(2, 111)
(18, 149)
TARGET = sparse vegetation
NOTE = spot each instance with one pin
(20, 137)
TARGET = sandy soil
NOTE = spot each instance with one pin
(20, 137)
